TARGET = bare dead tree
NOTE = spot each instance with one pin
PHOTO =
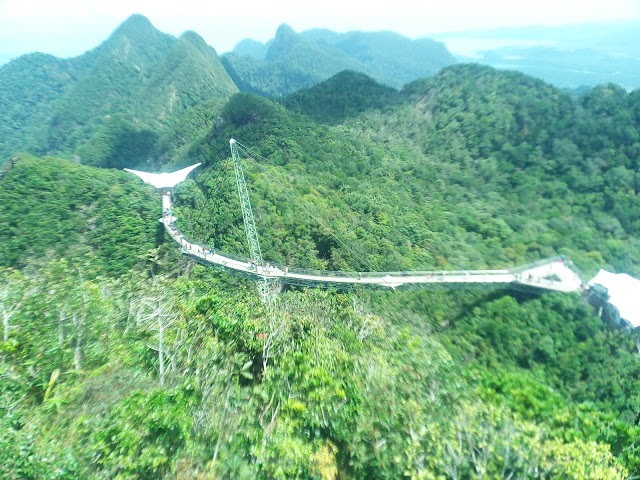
(13, 293)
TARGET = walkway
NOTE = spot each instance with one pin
(553, 274)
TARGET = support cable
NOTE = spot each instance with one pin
(284, 184)
(277, 181)
(266, 287)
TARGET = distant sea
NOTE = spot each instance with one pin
(473, 47)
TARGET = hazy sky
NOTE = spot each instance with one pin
(70, 27)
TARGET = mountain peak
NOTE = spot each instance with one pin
(284, 41)
(140, 31)
(135, 23)
(137, 36)
(285, 31)
(196, 40)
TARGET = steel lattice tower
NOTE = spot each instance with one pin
(267, 287)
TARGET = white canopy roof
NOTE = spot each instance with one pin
(624, 294)
(164, 180)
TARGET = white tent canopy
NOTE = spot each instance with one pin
(164, 180)
(624, 294)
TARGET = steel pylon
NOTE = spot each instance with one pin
(267, 287)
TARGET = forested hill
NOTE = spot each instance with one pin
(121, 359)
(123, 99)
(53, 208)
(471, 168)
(293, 61)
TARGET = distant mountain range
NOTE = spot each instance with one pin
(570, 56)
(142, 96)
(124, 102)
(292, 61)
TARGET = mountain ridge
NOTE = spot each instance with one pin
(274, 68)
(136, 64)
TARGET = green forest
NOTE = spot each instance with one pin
(120, 358)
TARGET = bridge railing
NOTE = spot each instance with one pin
(537, 263)
(415, 273)
(346, 274)
(307, 272)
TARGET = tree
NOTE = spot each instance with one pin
(156, 311)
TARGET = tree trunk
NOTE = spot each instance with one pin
(5, 323)
(61, 320)
(8, 312)
(77, 350)
(161, 348)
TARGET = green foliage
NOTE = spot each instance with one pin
(346, 94)
(54, 207)
(30, 86)
(141, 437)
(313, 386)
(461, 170)
(490, 444)
(118, 144)
(559, 337)
(124, 361)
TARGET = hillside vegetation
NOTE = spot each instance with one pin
(53, 208)
(121, 359)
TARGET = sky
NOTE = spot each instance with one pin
(66, 28)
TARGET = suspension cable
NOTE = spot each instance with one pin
(302, 180)
(276, 181)
(249, 154)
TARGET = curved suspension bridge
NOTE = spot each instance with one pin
(554, 274)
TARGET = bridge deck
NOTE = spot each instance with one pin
(553, 274)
